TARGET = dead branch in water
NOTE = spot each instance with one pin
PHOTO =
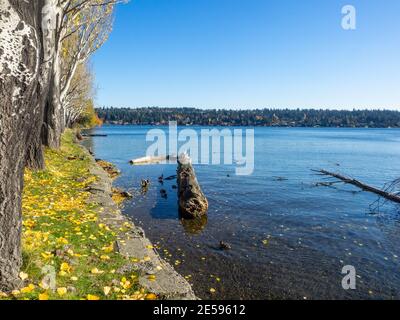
(383, 193)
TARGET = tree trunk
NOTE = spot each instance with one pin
(35, 152)
(53, 120)
(53, 124)
(23, 86)
(35, 155)
(54, 117)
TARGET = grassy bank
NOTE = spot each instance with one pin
(67, 252)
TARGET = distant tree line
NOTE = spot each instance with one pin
(256, 117)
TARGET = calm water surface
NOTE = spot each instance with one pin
(289, 238)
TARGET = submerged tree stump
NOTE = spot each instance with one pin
(192, 202)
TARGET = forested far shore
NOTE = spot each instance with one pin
(256, 117)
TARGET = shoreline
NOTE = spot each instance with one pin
(248, 126)
(154, 273)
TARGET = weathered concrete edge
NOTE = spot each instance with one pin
(155, 274)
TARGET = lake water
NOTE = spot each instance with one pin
(290, 239)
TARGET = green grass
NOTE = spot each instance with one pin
(61, 232)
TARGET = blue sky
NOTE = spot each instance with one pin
(251, 53)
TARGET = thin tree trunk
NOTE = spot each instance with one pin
(54, 118)
(49, 19)
(53, 114)
(23, 88)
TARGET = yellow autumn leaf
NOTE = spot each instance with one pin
(61, 291)
(126, 284)
(47, 255)
(92, 297)
(96, 271)
(65, 267)
(43, 296)
(151, 296)
(108, 249)
(23, 275)
(28, 289)
(106, 290)
(62, 240)
(15, 292)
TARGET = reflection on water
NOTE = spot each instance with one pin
(194, 226)
(288, 237)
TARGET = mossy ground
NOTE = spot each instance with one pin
(67, 252)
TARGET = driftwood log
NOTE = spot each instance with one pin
(192, 202)
(152, 160)
(385, 194)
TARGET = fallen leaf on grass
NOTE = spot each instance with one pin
(23, 275)
(106, 290)
(43, 296)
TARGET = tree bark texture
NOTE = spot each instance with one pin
(53, 124)
(23, 89)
